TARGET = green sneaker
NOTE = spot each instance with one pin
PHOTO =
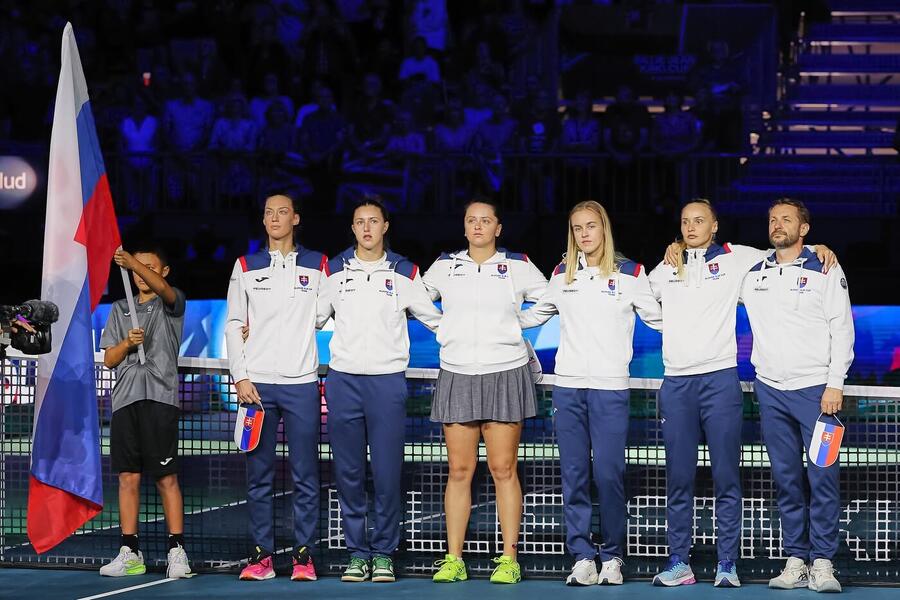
(382, 569)
(452, 568)
(507, 570)
(356, 571)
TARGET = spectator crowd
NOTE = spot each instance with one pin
(317, 96)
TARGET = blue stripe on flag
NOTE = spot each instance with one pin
(92, 167)
(67, 436)
(822, 456)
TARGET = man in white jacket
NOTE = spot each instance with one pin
(802, 349)
(275, 290)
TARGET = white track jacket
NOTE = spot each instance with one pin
(480, 330)
(276, 296)
(802, 322)
(596, 322)
(700, 307)
(370, 308)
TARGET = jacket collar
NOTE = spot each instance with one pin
(463, 255)
(712, 251)
(348, 257)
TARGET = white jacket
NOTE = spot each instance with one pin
(276, 296)
(802, 323)
(699, 309)
(480, 330)
(596, 322)
(369, 308)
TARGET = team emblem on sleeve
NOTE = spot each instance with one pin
(802, 283)
(388, 284)
(304, 280)
(713, 268)
(612, 285)
(501, 269)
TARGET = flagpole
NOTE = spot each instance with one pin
(129, 297)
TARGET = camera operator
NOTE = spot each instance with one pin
(14, 325)
(26, 326)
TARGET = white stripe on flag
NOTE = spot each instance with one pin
(65, 260)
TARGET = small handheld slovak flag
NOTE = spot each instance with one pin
(826, 440)
(248, 426)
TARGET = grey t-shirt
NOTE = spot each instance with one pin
(158, 378)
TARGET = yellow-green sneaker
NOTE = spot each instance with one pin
(507, 570)
(452, 568)
(126, 563)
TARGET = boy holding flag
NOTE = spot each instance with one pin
(144, 428)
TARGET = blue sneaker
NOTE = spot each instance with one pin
(726, 575)
(677, 572)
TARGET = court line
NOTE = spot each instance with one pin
(130, 589)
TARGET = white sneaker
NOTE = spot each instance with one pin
(126, 563)
(611, 572)
(821, 577)
(583, 573)
(794, 575)
(178, 564)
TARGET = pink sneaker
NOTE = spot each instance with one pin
(260, 567)
(304, 570)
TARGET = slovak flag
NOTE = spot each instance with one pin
(248, 426)
(80, 237)
(826, 442)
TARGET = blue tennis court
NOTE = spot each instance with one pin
(84, 585)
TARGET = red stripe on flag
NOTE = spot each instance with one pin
(54, 514)
(256, 430)
(98, 231)
(835, 446)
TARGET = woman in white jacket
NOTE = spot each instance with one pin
(369, 290)
(276, 367)
(484, 387)
(596, 294)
